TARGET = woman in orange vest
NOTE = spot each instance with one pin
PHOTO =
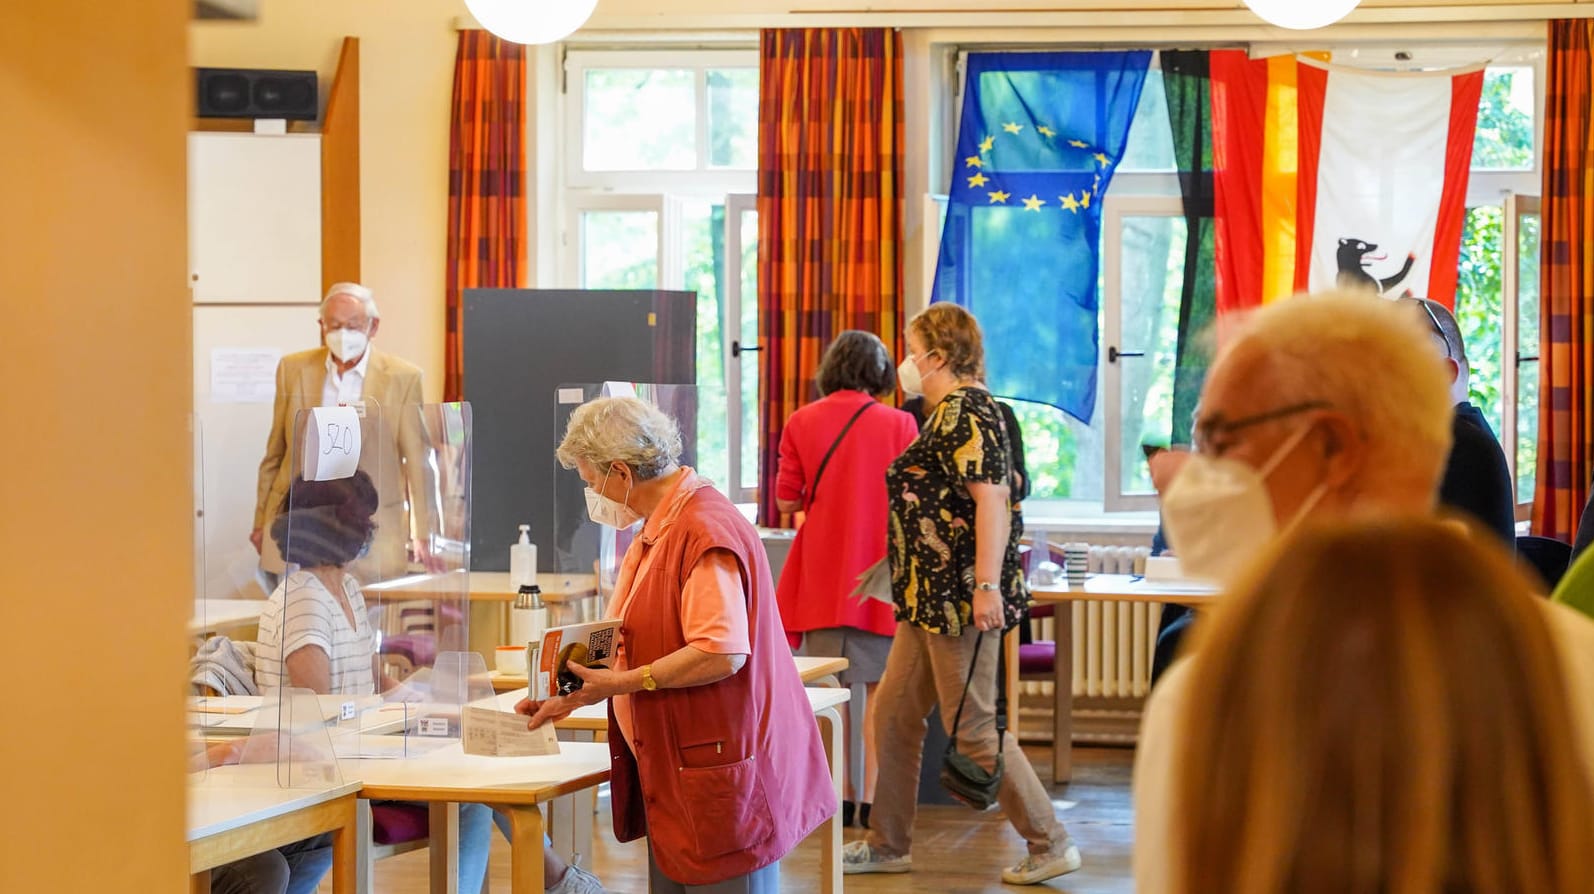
(717, 757)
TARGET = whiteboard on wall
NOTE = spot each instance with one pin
(234, 368)
(254, 217)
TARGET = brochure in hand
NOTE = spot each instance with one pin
(591, 645)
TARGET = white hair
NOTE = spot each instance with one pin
(621, 429)
(1371, 359)
(353, 290)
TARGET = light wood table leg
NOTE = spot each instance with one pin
(199, 882)
(830, 831)
(525, 848)
(345, 849)
(443, 846)
(1063, 696)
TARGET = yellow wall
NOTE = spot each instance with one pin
(406, 87)
(95, 534)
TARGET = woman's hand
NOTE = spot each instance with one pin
(598, 683)
(987, 609)
(551, 711)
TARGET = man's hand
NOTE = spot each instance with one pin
(256, 537)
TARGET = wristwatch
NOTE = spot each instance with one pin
(648, 682)
(987, 585)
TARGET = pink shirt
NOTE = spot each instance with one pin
(713, 605)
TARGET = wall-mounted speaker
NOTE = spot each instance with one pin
(256, 93)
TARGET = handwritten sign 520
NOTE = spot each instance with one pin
(331, 443)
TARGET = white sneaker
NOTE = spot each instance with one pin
(577, 881)
(1036, 869)
(859, 857)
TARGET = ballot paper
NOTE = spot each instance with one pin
(504, 734)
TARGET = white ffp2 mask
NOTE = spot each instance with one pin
(1218, 515)
(908, 377)
(347, 344)
(605, 511)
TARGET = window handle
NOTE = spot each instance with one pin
(1113, 353)
(737, 348)
(1526, 358)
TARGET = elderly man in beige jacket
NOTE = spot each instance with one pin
(348, 370)
(1338, 404)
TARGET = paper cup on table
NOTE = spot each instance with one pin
(511, 660)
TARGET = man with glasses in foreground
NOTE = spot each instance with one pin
(1320, 406)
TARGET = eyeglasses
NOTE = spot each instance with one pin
(1206, 430)
(1438, 329)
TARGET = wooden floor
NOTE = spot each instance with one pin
(955, 850)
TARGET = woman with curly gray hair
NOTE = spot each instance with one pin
(706, 712)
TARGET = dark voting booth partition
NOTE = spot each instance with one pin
(520, 346)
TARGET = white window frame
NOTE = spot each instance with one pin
(1516, 206)
(736, 206)
(1114, 210)
(703, 178)
(574, 252)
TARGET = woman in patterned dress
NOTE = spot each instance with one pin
(956, 584)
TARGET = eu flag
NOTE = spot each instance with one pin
(1041, 135)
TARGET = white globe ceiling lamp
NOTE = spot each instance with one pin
(532, 21)
(1302, 15)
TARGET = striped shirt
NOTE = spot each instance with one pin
(301, 613)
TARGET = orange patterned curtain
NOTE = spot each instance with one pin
(1566, 277)
(486, 183)
(829, 211)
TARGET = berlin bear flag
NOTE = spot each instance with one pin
(1334, 177)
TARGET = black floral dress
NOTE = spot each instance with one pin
(932, 515)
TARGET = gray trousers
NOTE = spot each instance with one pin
(928, 670)
(761, 881)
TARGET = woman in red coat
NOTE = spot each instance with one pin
(852, 438)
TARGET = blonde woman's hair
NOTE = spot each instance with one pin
(952, 332)
(1370, 358)
(1379, 708)
(621, 430)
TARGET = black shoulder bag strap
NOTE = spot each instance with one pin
(1001, 695)
(814, 488)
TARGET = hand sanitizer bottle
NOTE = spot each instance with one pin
(523, 560)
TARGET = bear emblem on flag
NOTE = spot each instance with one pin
(1353, 260)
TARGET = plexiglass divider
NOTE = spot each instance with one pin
(375, 541)
(229, 435)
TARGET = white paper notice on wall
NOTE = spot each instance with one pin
(243, 375)
(331, 443)
(619, 389)
(571, 395)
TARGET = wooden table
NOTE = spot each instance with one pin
(213, 616)
(240, 811)
(827, 703)
(514, 786)
(1097, 588)
(812, 671)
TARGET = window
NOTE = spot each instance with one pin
(1497, 289)
(1077, 467)
(661, 151)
